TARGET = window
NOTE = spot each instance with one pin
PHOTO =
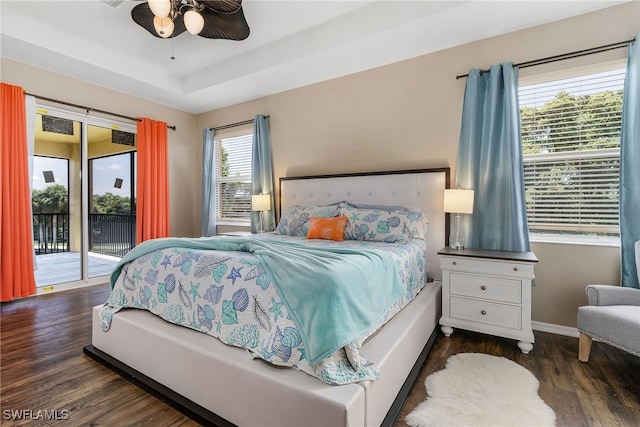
(233, 179)
(571, 151)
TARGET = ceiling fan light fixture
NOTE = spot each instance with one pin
(160, 8)
(193, 21)
(164, 26)
(210, 19)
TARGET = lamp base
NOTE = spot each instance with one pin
(456, 240)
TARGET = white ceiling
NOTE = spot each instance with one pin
(292, 43)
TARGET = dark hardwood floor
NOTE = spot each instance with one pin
(44, 369)
(604, 392)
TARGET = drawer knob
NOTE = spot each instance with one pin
(454, 263)
(483, 312)
(515, 268)
(483, 287)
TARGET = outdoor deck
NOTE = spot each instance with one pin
(64, 267)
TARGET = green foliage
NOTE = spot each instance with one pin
(53, 199)
(225, 162)
(109, 203)
(569, 123)
(562, 186)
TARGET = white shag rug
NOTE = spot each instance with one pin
(481, 390)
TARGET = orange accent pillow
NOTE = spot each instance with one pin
(327, 228)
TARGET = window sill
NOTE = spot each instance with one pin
(234, 223)
(575, 240)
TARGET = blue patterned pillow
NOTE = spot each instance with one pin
(381, 225)
(295, 220)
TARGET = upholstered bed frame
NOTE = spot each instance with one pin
(218, 384)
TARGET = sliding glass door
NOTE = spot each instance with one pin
(81, 225)
(56, 192)
(112, 218)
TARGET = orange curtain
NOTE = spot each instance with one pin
(152, 199)
(16, 234)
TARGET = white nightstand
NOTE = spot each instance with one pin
(489, 292)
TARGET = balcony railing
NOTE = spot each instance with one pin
(110, 234)
(50, 233)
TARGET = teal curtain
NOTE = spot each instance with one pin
(490, 161)
(630, 167)
(262, 172)
(208, 208)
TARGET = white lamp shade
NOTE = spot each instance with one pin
(261, 202)
(164, 26)
(160, 8)
(458, 201)
(193, 21)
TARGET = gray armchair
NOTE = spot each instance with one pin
(612, 316)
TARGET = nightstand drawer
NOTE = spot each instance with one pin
(505, 316)
(488, 267)
(486, 287)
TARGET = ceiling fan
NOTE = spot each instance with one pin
(212, 19)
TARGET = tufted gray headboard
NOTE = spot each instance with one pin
(423, 188)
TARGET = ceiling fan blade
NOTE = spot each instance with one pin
(142, 15)
(230, 26)
(222, 6)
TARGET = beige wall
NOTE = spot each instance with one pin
(407, 115)
(184, 146)
(404, 115)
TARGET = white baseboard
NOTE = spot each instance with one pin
(555, 329)
(48, 289)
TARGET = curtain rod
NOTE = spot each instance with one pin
(44, 98)
(233, 125)
(564, 56)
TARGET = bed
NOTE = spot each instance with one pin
(215, 383)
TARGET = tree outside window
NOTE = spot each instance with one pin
(571, 148)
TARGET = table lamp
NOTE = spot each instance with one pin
(260, 203)
(458, 202)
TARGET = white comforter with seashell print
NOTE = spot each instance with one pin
(229, 295)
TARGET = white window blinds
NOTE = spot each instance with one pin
(571, 146)
(233, 180)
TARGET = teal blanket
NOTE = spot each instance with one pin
(333, 294)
